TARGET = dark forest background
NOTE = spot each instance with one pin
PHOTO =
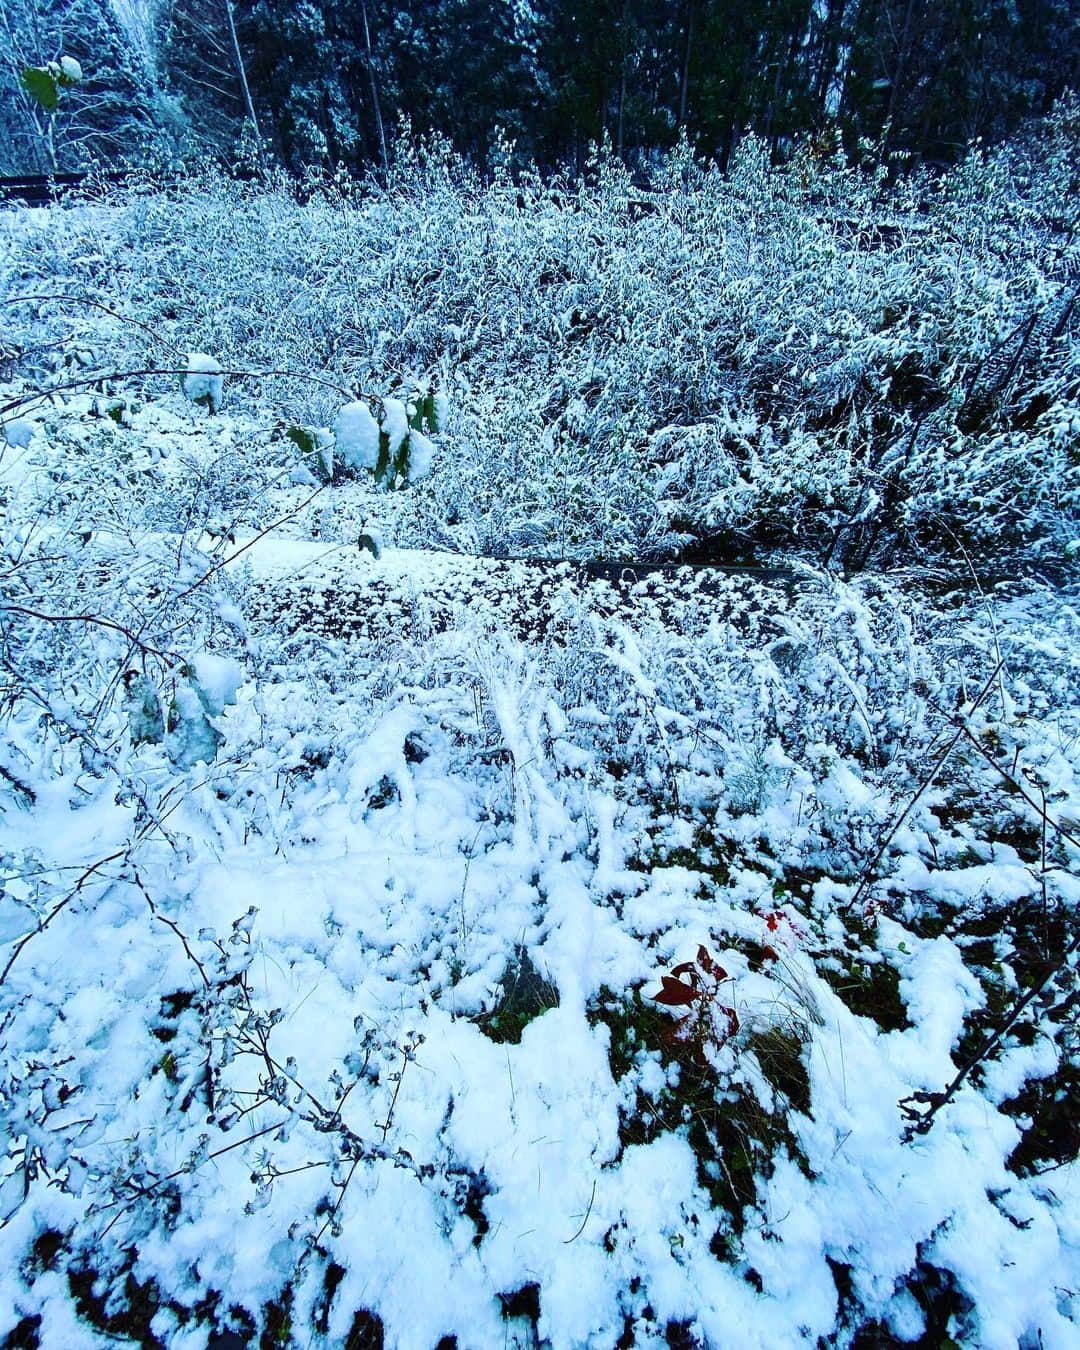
(329, 82)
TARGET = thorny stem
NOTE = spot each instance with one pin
(18, 785)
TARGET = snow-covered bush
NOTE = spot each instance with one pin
(798, 356)
(315, 815)
(203, 383)
(394, 449)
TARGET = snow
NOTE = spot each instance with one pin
(395, 424)
(389, 892)
(217, 678)
(19, 432)
(204, 382)
(421, 456)
(356, 434)
(281, 819)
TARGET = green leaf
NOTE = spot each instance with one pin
(401, 464)
(383, 468)
(303, 438)
(41, 85)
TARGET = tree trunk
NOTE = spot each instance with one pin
(242, 73)
(375, 103)
(899, 71)
(622, 77)
(684, 82)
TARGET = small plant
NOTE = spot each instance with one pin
(696, 985)
(45, 83)
(392, 447)
(316, 446)
(524, 995)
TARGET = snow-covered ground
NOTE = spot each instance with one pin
(338, 891)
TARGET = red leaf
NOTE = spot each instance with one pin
(770, 954)
(732, 1020)
(675, 993)
(685, 968)
(705, 961)
(772, 921)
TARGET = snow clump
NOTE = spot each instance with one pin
(204, 381)
(395, 424)
(18, 433)
(218, 677)
(421, 456)
(357, 435)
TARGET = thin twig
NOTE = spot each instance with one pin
(224, 562)
(110, 376)
(867, 878)
(920, 1122)
(96, 619)
(1014, 786)
(75, 891)
(162, 918)
(142, 1191)
(585, 1220)
(98, 304)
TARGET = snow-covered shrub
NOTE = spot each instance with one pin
(45, 84)
(803, 356)
(607, 774)
(394, 449)
(204, 382)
